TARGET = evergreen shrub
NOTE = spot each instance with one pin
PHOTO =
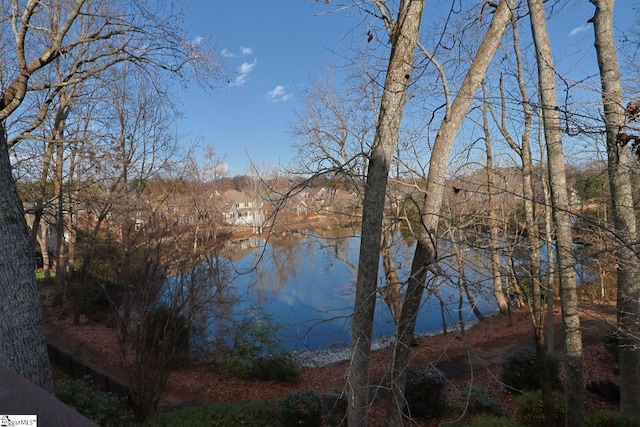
(611, 418)
(104, 409)
(520, 370)
(302, 408)
(493, 421)
(256, 413)
(530, 409)
(280, 367)
(481, 400)
(425, 391)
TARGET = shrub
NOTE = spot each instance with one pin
(166, 332)
(252, 413)
(105, 409)
(254, 335)
(611, 418)
(520, 370)
(281, 367)
(302, 408)
(481, 400)
(425, 391)
(249, 349)
(335, 406)
(493, 421)
(530, 410)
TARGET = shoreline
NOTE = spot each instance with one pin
(312, 359)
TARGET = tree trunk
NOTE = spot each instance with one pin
(392, 289)
(404, 41)
(494, 230)
(61, 265)
(533, 239)
(463, 282)
(22, 347)
(424, 255)
(574, 387)
(624, 219)
(550, 282)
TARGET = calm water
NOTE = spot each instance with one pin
(306, 285)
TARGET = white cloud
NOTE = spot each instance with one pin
(243, 73)
(247, 67)
(279, 93)
(197, 40)
(227, 54)
(242, 51)
(579, 30)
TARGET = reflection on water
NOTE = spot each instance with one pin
(306, 284)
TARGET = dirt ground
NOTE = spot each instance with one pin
(485, 343)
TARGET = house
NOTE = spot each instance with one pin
(241, 209)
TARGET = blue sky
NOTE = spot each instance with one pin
(272, 49)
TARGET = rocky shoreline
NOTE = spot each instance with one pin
(326, 357)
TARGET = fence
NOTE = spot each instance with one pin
(76, 369)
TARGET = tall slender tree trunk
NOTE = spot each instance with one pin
(424, 256)
(463, 281)
(550, 282)
(61, 265)
(404, 41)
(574, 387)
(624, 218)
(41, 196)
(494, 229)
(536, 305)
(22, 344)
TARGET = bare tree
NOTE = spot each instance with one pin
(574, 386)
(494, 231)
(43, 32)
(534, 242)
(404, 37)
(425, 256)
(624, 215)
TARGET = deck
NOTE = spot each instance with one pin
(19, 397)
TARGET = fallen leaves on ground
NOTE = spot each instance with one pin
(97, 343)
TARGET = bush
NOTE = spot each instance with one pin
(302, 408)
(335, 406)
(425, 391)
(611, 418)
(530, 410)
(520, 370)
(105, 409)
(166, 332)
(493, 421)
(250, 349)
(481, 400)
(252, 413)
(281, 367)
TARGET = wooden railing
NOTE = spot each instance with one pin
(20, 397)
(77, 369)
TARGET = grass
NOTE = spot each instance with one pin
(253, 413)
(40, 275)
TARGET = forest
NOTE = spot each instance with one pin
(456, 130)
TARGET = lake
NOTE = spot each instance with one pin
(305, 285)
